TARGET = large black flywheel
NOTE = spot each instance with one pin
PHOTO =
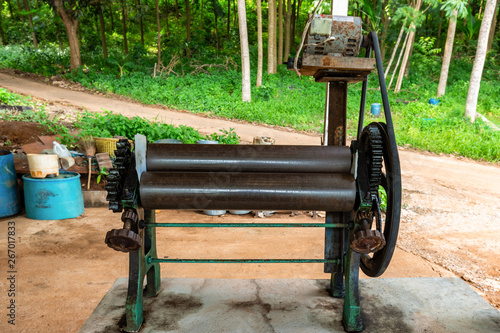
(383, 172)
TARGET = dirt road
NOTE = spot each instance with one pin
(451, 219)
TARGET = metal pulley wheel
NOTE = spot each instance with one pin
(389, 179)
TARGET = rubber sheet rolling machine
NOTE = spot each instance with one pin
(358, 186)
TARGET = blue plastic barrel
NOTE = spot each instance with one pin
(9, 196)
(375, 109)
(53, 198)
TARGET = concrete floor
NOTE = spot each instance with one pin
(293, 305)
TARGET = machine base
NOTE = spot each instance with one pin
(293, 305)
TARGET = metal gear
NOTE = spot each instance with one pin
(117, 175)
(123, 240)
(374, 149)
(368, 241)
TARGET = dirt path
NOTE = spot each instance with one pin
(451, 219)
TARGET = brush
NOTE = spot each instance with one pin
(87, 146)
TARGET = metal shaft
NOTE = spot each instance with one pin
(248, 158)
(247, 191)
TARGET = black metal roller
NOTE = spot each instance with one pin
(390, 179)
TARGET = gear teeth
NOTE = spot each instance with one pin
(117, 175)
(375, 150)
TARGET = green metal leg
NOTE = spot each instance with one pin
(352, 311)
(138, 270)
(133, 306)
(337, 285)
(153, 269)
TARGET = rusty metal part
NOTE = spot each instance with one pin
(336, 35)
(247, 191)
(328, 68)
(123, 240)
(129, 218)
(368, 241)
(248, 158)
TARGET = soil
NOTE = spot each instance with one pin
(450, 227)
(15, 134)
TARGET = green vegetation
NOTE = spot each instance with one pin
(106, 124)
(199, 69)
(285, 100)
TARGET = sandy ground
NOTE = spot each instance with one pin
(450, 227)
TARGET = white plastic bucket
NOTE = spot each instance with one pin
(42, 165)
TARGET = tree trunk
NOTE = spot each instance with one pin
(477, 69)
(30, 21)
(448, 50)
(71, 25)
(492, 29)
(201, 15)
(111, 16)
(158, 28)
(292, 23)
(246, 94)
(260, 51)
(58, 30)
(280, 30)
(188, 28)
(271, 33)
(2, 34)
(166, 17)
(388, 69)
(103, 31)
(385, 28)
(11, 11)
(124, 26)
(440, 24)
(234, 13)
(176, 9)
(216, 27)
(288, 29)
(141, 26)
(399, 60)
(20, 8)
(228, 17)
(409, 48)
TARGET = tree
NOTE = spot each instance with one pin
(280, 30)
(158, 27)
(453, 10)
(103, 30)
(188, 28)
(416, 4)
(246, 94)
(477, 69)
(288, 29)
(271, 43)
(30, 21)
(124, 26)
(260, 51)
(140, 13)
(69, 11)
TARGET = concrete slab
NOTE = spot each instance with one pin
(293, 305)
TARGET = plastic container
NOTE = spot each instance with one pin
(375, 109)
(211, 212)
(433, 101)
(54, 198)
(9, 196)
(60, 150)
(239, 212)
(107, 145)
(42, 165)
(169, 141)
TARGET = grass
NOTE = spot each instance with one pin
(105, 124)
(284, 100)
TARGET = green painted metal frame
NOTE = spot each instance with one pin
(247, 225)
(140, 269)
